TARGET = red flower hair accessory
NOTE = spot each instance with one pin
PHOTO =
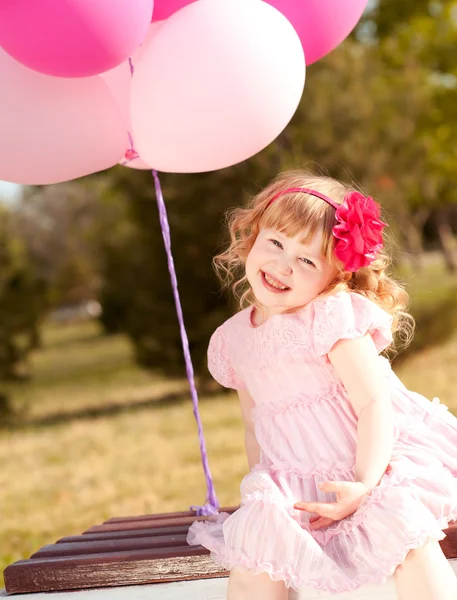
(359, 231)
(359, 227)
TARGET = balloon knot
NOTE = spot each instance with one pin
(205, 511)
(131, 154)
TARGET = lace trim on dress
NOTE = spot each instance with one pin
(349, 316)
(219, 363)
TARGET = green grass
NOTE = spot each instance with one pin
(81, 369)
(428, 285)
(102, 438)
(59, 480)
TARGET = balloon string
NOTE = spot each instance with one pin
(130, 154)
(211, 506)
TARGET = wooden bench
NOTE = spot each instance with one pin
(121, 551)
(133, 551)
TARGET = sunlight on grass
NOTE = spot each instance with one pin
(80, 368)
(432, 373)
(60, 480)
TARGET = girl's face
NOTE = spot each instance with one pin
(285, 273)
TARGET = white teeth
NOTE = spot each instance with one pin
(274, 284)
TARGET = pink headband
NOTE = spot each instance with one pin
(358, 230)
(306, 191)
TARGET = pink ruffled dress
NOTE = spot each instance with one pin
(307, 431)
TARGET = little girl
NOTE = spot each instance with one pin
(352, 476)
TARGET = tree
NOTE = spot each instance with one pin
(23, 302)
(422, 35)
(59, 225)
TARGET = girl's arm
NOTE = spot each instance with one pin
(250, 441)
(357, 364)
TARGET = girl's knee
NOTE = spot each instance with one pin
(241, 579)
(244, 583)
(429, 544)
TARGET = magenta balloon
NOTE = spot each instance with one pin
(217, 83)
(321, 24)
(54, 129)
(73, 38)
(165, 8)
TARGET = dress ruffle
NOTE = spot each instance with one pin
(415, 500)
(337, 583)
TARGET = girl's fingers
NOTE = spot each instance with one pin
(323, 509)
(335, 486)
(320, 523)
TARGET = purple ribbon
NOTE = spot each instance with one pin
(212, 504)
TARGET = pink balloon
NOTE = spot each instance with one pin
(217, 83)
(165, 8)
(321, 24)
(54, 129)
(118, 81)
(73, 38)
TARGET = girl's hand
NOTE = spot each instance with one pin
(349, 494)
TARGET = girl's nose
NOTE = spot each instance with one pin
(284, 267)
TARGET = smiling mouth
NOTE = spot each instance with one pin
(273, 284)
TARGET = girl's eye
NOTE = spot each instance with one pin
(308, 262)
(305, 260)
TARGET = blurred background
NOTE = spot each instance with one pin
(95, 415)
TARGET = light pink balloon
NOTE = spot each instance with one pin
(54, 129)
(118, 81)
(73, 38)
(165, 8)
(217, 83)
(321, 24)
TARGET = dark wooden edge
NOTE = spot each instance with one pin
(80, 546)
(132, 525)
(107, 557)
(166, 520)
(175, 515)
(449, 543)
(138, 568)
(119, 535)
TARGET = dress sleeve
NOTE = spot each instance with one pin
(349, 316)
(219, 363)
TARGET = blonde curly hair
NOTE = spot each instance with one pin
(296, 212)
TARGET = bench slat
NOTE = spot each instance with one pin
(119, 535)
(96, 547)
(107, 571)
(129, 525)
(174, 515)
(129, 551)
